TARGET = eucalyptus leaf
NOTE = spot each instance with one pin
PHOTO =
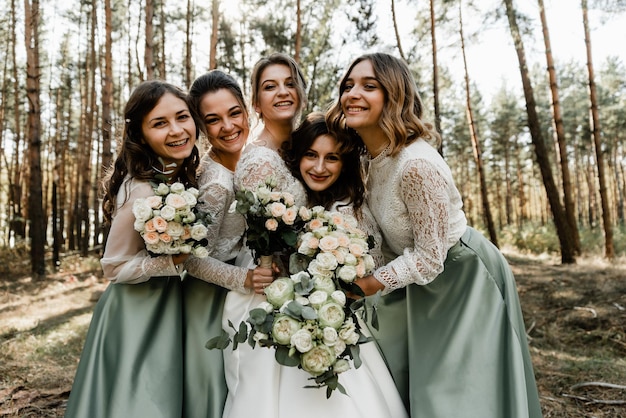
(282, 357)
(220, 342)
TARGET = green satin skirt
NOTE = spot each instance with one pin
(205, 385)
(457, 347)
(132, 361)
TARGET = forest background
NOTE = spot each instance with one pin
(538, 158)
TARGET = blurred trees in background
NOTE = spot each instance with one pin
(546, 156)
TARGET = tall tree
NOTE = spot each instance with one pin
(149, 40)
(484, 193)
(107, 98)
(566, 241)
(568, 198)
(298, 43)
(395, 29)
(609, 250)
(215, 20)
(37, 229)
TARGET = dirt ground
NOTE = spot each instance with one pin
(575, 317)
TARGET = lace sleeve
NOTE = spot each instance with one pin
(215, 271)
(212, 201)
(256, 169)
(125, 259)
(427, 202)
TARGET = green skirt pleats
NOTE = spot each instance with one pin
(132, 361)
(457, 347)
(205, 385)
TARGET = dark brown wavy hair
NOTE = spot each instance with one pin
(137, 159)
(349, 186)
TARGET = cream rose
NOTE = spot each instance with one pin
(283, 328)
(162, 189)
(331, 314)
(142, 210)
(347, 273)
(342, 365)
(279, 292)
(302, 340)
(330, 336)
(198, 232)
(318, 360)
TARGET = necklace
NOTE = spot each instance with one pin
(380, 150)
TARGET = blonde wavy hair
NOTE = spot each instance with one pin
(401, 119)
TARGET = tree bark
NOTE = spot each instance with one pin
(476, 144)
(566, 240)
(149, 41)
(37, 228)
(215, 22)
(107, 104)
(609, 250)
(568, 200)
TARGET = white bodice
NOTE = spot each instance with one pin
(258, 163)
(225, 232)
(418, 208)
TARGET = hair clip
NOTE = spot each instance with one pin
(127, 120)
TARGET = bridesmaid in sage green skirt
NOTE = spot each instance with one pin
(450, 323)
(132, 361)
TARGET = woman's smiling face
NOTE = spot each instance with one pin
(321, 164)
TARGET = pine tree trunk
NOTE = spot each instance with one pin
(609, 250)
(37, 227)
(568, 200)
(566, 240)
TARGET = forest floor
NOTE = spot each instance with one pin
(575, 317)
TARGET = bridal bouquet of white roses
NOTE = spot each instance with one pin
(272, 220)
(169, 223)
(307, 317)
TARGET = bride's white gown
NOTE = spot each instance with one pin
(261, 388)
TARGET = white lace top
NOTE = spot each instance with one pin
(419, 211)
(125, 259)
(257, 163)
(225, 231)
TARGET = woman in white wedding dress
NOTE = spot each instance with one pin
(259, 386)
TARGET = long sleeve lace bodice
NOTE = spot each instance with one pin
(258, 163)
(419, 211)
(125, 258)
(225, 231)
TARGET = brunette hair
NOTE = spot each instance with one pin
(136, 159)
(401, 118)
(349, 186)
(211, 82)
(278, 58)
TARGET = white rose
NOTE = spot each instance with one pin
(326, 261)
(330, 336)
(198, 232)
(142, 210)
(325, 284)
(318, 360)
(350, 259)
(263, 194)
(283, 328)
(168, 212)
(139, 225)
(331, 314)
(279, 292)
(315, 270)
(339, 296)
(341, 366)
(339, 347)
(200, 251)
(177, 187)
(302, 340)
(369, 262)
(348, 333)
(162, 189)
(175, 229)
(318, 297)
(189, 198)
(186, 249)
(347, 273)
